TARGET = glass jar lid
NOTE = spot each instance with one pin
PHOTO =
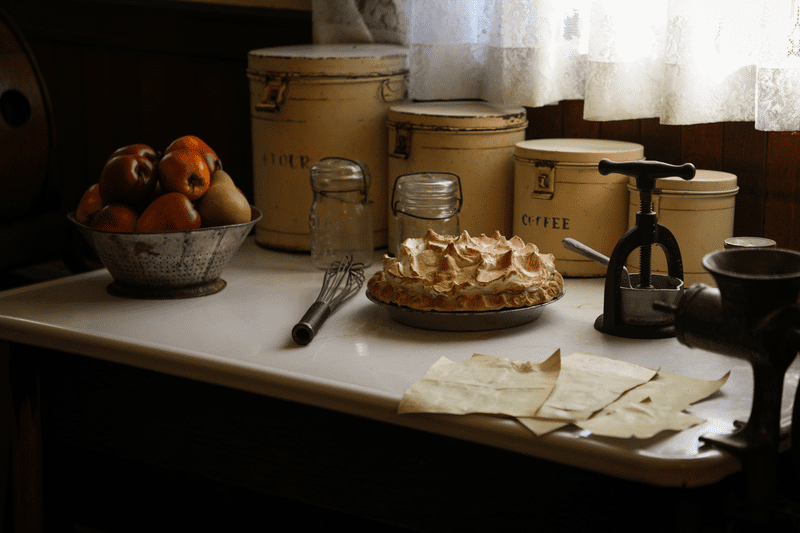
(335, 174)
(429, 195)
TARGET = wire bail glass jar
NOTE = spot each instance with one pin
(423, 201)
(341, 216)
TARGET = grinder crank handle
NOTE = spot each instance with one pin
(646, 172)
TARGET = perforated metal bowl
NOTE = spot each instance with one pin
(173, 264)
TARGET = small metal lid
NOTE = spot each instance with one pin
(704, 181)
(578, 150)
(749, 242)
(330, 60)
(458, 115)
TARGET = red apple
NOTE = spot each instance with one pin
(172, 211)
(115, 217)
(137, 149)
(127, 178)
(184, 171)
(190, 142)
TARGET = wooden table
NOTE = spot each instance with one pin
(206, 408)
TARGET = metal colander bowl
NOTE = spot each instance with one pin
(173, 264)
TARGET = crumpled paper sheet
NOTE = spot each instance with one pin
(587, 384)
(605, 396)
(483, 384)
(656, 406)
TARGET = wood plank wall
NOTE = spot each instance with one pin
(767, 165)
(121, 73)
(127, 72)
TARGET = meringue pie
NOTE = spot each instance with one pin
(463, 273)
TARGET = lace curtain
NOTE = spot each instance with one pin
(683, 61)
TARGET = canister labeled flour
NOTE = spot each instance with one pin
(559, 193)
(698, 212)
(309, 102)
(472, 139)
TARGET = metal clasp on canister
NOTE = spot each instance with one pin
(544, 189)
(543, 186)
(274, 94)
(402, 141)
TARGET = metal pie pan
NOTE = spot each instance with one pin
(463, 320)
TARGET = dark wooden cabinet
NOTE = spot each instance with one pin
(113, 448)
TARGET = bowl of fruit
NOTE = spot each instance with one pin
(165, 224)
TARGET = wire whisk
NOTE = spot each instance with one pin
(342, 280)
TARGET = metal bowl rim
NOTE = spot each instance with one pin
(253, 220)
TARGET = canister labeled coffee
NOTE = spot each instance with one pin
(559, 193)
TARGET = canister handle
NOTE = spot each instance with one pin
(393, 203)
(393, 90)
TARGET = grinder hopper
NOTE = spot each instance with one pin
(752, 314)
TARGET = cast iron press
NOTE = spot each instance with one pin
(628, 310)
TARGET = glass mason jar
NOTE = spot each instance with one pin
(341, 216)
(423, 201)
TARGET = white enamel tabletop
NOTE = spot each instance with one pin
(361, 362)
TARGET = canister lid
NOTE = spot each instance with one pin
(330, 59)
(704, 181)
(578, 150)
(458, 115)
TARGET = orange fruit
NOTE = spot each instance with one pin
(115, 217)
(172, 211)
(184, 171)
(191, 142)
(89, 204)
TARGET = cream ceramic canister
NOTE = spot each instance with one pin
(308, 102)
(559, 193)
(471, 139)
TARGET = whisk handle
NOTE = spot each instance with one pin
(303, 332)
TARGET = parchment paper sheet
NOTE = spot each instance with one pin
(605, 396)
(483, 384)
(656, 406)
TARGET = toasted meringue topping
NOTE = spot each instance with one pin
(463, 273)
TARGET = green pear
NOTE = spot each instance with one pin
(223, 203)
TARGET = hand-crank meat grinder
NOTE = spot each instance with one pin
(753, 313)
